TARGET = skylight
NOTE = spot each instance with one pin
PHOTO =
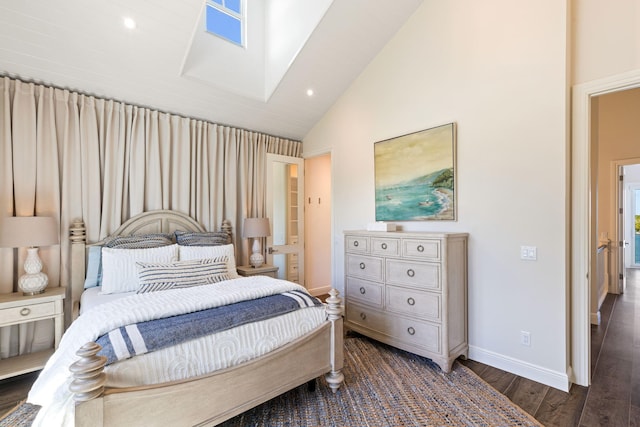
(225, 19)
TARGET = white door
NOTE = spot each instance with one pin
(285, 209)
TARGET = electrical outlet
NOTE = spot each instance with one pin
(525, 338)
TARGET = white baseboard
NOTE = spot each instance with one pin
(559, 380)
(595, 318)
(319, 290)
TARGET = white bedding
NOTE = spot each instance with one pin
(93, 297)
(228, 348)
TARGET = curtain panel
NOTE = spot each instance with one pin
(70, 155)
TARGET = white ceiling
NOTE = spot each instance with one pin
(82, 45)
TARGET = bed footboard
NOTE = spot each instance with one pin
(227, 393)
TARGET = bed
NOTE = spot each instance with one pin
(188, 383)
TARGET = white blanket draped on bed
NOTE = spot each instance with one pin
(51, 389)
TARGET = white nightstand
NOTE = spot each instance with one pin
(15, 309)
(264, 270)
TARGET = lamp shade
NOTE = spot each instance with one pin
(256, 227)
(23, 231)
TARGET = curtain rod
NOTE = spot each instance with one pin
(79, 92)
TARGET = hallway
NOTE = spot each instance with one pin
(614, 396)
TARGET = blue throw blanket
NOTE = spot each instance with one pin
(144, 337)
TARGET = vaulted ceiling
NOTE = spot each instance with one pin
(168, 62)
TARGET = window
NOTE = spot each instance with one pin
(225, 18)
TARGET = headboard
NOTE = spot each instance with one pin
(159, 221)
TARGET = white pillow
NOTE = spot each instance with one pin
(199, 252)
(119, 269)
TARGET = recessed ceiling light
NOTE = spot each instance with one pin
(309, 92)
(129, 23)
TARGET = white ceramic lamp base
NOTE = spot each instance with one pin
(33, 282)
(256, 259)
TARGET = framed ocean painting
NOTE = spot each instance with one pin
(415, 176)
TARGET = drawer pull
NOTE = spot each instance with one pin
(384, 246)
(356, 243)
(363, 316)
(411, 301)
(411, 273)
(363, 290)
(362, 266)
(411, 331)
(25, 311)
(420, 248)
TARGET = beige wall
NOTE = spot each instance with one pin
(501, 76)
(606, 37)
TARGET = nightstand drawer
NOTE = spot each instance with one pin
(26, 313)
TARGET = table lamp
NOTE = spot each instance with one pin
(30, 232)
(256, 228)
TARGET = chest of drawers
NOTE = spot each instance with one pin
(409, 290)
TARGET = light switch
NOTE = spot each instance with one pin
(529, 253)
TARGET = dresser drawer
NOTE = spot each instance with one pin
(422, 275)
(364, 267)
(385, 247)
(363, 291)
(357, 244)
(425, 305)
(411, 331)
(27, 313)
(425, 249)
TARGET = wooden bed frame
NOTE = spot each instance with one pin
(208, 399)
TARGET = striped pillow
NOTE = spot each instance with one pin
(139, 241)
(181, 274)
(208, 238)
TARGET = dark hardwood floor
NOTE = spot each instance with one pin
(613, 399)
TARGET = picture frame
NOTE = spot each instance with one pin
(415, 176)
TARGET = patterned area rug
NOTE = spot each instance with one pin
(383, 387)
(20, 416)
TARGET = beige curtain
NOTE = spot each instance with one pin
(69, 155)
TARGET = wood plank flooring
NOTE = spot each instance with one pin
(613, 399)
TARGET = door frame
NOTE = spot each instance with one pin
(288, 248)
(618, 223)
(583, 220)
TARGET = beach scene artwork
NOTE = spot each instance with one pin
(415, 176)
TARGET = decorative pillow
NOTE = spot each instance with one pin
(200, 252)
(181, 274)
(94, 267)
(119, 269)
(209, 238)
(140, 241)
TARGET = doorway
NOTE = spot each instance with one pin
(285, 245)
(318, 230)
(584, 215)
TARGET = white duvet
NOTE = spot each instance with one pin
(223, 349)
